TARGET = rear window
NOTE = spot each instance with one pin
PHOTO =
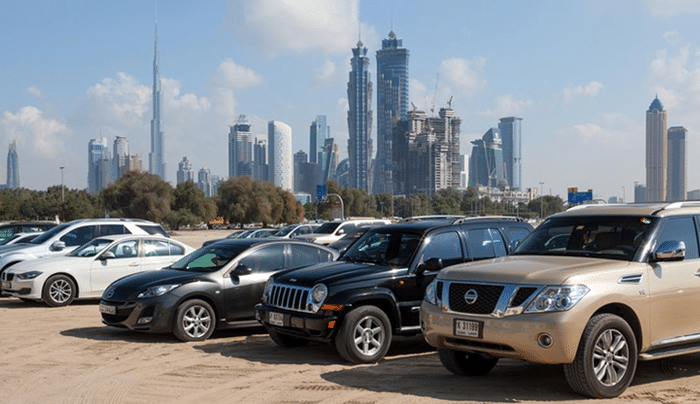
(153, 230)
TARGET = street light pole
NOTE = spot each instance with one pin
(63, 197)
(541, 200)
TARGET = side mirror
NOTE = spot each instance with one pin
(58, 245)
(513, 245)
(341, 232)
(671, 250)
(242, 270)
(432, 264)
(107, 255)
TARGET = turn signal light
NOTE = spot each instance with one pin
(332, 307)
(331, 324)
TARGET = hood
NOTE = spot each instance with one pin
(60, 262)
(331, 273)
(128, 286)
(530, 269)
(6, 249)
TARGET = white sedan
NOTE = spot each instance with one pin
(87, 271)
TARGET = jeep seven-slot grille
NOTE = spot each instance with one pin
(485, 303)
(289, 297)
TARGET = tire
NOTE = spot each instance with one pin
(364, 336)
(195, 321)
(286, 341)
(59, 290)
(466, 364)
(606, 358)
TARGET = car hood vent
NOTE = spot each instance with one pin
(633, 279)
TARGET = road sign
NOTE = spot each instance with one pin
(321, 191)
(577, 198)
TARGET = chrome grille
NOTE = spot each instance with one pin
(289, 297)
(484, 299)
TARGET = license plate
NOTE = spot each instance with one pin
(466, 328)
(104, 308)
(276, 319)
(6, 285)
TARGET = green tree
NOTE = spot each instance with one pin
(447, 202)
(244, 200)
(190, 206)
(138, 195)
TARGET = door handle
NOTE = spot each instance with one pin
(134, 264)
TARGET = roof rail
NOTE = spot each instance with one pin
(682, 204)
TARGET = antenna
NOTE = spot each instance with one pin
(437, 77)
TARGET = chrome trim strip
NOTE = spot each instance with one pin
(634, 279)
(677, 340)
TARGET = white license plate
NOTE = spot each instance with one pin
(6, 285)
(466, 328)
(104, 308)
(276, 319)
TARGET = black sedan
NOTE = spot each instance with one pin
(216, 286)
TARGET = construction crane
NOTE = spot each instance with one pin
(437, 78)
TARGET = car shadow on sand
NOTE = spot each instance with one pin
(510, 381)
(260, 348)
(107, 333)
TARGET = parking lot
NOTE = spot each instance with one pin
(66, 355)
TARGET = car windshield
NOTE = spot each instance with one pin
(210, 258)
(91, 248)
(393, 249)
(327, 228)
(614, 237)
(50, 233)
(286, 230)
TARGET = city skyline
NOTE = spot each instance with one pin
(577, 77)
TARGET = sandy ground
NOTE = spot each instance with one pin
(66, 355)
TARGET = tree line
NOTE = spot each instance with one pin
(242, 200)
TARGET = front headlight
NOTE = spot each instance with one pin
(556, 298)
(267, 289)
(156, 291)
(317, 296)
(431, 293)
(29, 275)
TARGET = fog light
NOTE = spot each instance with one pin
(545, 340)
(144, 320)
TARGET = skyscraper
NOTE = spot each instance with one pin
(318, 133)
(99, 165)
(331, 156)
(279, 140)
(359, 121)
(676, 175)
(240, 148)
(260, 165)
(486, 162)
(510, 129)
(185, 172)
(120, 159)
(156, 159)
(204, 181)
(392, 105)
(12, 167)
(656, 152)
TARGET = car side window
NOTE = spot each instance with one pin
(78, 236)
(109, 229)
(126, 249)
(446, 246)
(303, 255)
(681, 229)
(153, 248)
(485, 243)
(176, 249)
(517, 234)
(266, 259)
(303, 230)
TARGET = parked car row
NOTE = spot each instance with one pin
(595, 289)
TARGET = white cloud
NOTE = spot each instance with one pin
(39, 136)
(507, 105)
(33, 90)
(325, 72)
(462, 77)
(234, 76)
(589, 90)
(672, 37)
(273, 26)
(118, 99)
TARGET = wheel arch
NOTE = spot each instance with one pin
(199, 296)
(626, 313)
(66, 274)
(383, 302)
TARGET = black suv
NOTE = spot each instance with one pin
(375, 288)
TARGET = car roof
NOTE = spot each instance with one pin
(247, 242)
(114, 237)
(638, 209)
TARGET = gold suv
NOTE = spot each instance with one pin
(595, 288)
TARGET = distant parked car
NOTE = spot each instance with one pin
(20, 238)
(347, 240)
(333, 231)
(215, 287)
(294, 230)
(89, 269)
(263, 233)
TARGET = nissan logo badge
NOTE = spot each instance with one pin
(471, 296)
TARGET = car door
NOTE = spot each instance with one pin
(104, 271)
(409, 289)
(76, 237)
(157, 254)
(243, 292)
(484, 243)
(674, 287)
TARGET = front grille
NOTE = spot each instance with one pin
(8, 277)
(523, 294)
(485, 303)
(289, 297)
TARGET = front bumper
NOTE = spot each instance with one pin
(154, 315)
(507, 337)
(26, 289)
(309, 326)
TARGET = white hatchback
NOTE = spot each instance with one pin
(87, 271)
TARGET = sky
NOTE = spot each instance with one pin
(581, 75)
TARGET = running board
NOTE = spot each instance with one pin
(661, 353)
